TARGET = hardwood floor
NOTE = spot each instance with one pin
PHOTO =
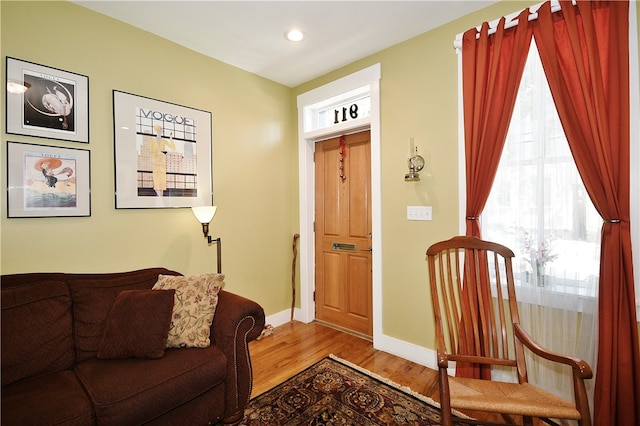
(295, 346)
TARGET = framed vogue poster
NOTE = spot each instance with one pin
(162, 153)
(47, 181)
(55, 104)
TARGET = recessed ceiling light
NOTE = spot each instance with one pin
(294, 35)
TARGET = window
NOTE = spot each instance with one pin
(538, 205)
(351, 105)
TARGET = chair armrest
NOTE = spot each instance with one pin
(580, 367)
(442, 359)
(236, 322)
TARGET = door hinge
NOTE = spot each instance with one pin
(314, 227)
(314, 296)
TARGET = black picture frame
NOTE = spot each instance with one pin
(162, 153)
(47, 181)
(55, 104)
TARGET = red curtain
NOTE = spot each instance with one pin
(492, 68)
(585, 55)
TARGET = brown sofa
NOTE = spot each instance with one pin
(52, 325)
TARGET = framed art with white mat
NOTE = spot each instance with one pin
(46, 102)
(162, 153)
(47, 181)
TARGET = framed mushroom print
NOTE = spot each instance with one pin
(162, 153)
(46, 102)
(47, 181)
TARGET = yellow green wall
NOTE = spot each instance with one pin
(254, 160)
(419, 99)
(254, 167)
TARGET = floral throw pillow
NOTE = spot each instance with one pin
(195, 303)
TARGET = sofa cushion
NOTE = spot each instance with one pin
(36, 330)
(137, 325)
(92, 301)
(206, 409)
(195, 304)
(131, 391)
(51, 399)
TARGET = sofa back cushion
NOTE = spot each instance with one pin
(17, 280)
(36, 330)
(94, 295)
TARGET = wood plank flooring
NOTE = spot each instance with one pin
(295, 346)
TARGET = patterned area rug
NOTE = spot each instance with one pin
(336, 392)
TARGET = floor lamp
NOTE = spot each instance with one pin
(205, 214)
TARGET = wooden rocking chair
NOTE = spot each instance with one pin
(478, 328)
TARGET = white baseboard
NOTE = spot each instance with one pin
(282, 317)
(409, 351)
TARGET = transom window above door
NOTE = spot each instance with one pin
(344, 108)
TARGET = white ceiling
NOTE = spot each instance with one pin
(250, 34)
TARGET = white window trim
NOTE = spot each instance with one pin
(634, 136)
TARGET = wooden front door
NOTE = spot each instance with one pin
(343, 232)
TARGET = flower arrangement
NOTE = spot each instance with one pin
(538, 256)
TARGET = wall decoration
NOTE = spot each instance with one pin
(162, 153)
(47, 181)
(55, 104)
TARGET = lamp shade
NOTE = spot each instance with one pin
(204, 214)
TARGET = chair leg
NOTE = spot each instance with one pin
(445, 398)
(585, 420)
(582, 402)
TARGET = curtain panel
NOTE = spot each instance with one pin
(492, 68)
(585, 53)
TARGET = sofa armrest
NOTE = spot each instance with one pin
(237, 321)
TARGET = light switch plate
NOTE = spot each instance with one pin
(419, 213)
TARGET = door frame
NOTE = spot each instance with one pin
(306, 147)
